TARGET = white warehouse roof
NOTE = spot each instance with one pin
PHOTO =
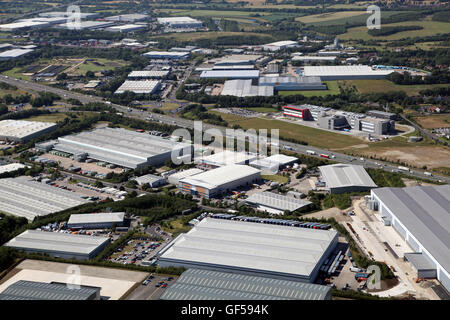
(276, 201)
(23, 197)
(251, 247)
(177, 20)
(148, 74)
(126, 27)
(21, 129)
(282, 43)
(148, 178)
(14, 53)
(142, 86)
(244, 88)
(344, 71)
(11, 167)
(174, 178)
(219, 176)
(56, 242)
(130, 17)
(166, 54)
(22, 25)
(232, 74)
(109, 217)
(346, 175)
(227, 157)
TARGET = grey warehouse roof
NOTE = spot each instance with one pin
(346, 175)
(277, 201)
(425, 212)
(419, 261)
(31, 290)
(288, 79)
(56, 242)
(109, 217)
(24, 197)
(197, 284)
(235, 74)
(249, 246)
(244, 88)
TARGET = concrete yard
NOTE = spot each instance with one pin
(67, 162)
(114, 283)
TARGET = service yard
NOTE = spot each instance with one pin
(66, 163)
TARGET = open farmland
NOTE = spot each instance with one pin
(434, 121)
(329, 16)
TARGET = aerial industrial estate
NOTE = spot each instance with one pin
(214, 150)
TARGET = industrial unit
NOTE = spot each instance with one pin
(22, 131)
(175, 178)
(230, 74)
(173, 55)
(154, 74)
(280, 45)
(327, 73)
(313, 58)
(11, 167)
(24, 197)
(88, 25)
(217, 182)
(32, 290)
(273, 163)
(240, 59)
(180, 22)
(122, 147)
(421, 216)
(59, 245)
(274, 203)
(244, 88)
(139, 86)
(198, 284)
(255, 249)
(343, 178)
(65, 14)
(96, 220)
(291, 83)
(14, 53)
(131, 17)
(226, 157)
(23, 25)
(152, 180)
(126, 28)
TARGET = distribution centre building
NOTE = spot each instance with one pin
(122, 147)
(199, 284)
(126, 28)
(327, 73)
(421, 216)
(219, 181)
(274, 203)
(174, 55)
(32, 290)
(273, 163)
(291, 83)
(176, 177)
(244, 88)
(279, 45)
(180, 22)
(24, 197)
(14, 53)
(151, 74)
(255, 249)
(21, 130)
(131, 17)
(230, 74)
(59, 245)
(342, 178)
(139, 87)
(226, 157)
(96, 220)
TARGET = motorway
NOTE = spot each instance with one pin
(184, 123)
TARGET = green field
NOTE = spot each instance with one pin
(333, 88)
(262, 109)
(315, 137)
(429, 28)
(380, 86)
(329, 16)
(275, 177)
(54, 117)
(98, 64)
(16, 73)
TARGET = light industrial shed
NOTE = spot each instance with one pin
(327, 73)
(255, 249)
(292, 83)
(219, 181)
(56, 244)
(244, 88)
(274, 162)
(11, 167)
(166, 55)
(176, 177)
(32, 290)
(230, 74)
(279, 45)
(156, 74)
(88, 25)
(131, 17)
(198, 284)
(14, 53)
(180, 22)
(126, 28)
(421, 215)
(21, 130)
(275, 203)
(140, 86)
(152, 180)
(341, 178)
(122, 147)
(226, 157)
(96, 220)
(24, 197)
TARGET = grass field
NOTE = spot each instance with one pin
(169, 106)
(374, 86)
(263, 110)
(275, 177)
(315, 137)
(429, 28)
(98, 64)
(333, 88)
(328, 16)
(16, 73)
(54, 117)
(434, 121)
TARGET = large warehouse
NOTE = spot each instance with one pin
(327, 73)
(421, 215)
(122, 147)
(342, 178)
(176, 177)
(59, 245)
(273, 163)
(244, 88)
(219, 181)
(173, 55)
(198, 284)
(255, 249)
(280, 45)
(230, 74)
(14, 53)
(291, 83)
(24, 197)
(96, 220)
(131, 17)
(151, 74)
(275, 203)
(180, 22)
(21, 130)
(139, 87)
(226, 157)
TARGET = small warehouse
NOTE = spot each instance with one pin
(274, 203)
(139, 86)
(216, 182)
(176, 177)
(59, 245)
(96, 220)
(342, 178)
(153, 181)
(255, 249)
(198, 284)
(273, 163)
(226, 157)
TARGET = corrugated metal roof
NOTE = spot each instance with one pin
(198, 284)
(419, 261)
(346, 175)
(244, 88)
(276, 201)
(21, 128)
(360, 70)
(232, 74)
(96, 217)
(425, 212)
(31, 290)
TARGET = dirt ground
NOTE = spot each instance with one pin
(434, 121)
(329, 213)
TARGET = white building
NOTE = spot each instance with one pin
(172, 55)
(21, 130)
(230, 74)
(273, 163)
(274, 203)
(140, 87)
(342, 178)
(225, 158)
(176, 177)
(244, 88)
(180, 22)
(126, 28)
(279, 45)
(96, 220)
(14, 53)
(11, 167)
(131, 17)
(150, 74)
(153, 181)
(327, 73)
